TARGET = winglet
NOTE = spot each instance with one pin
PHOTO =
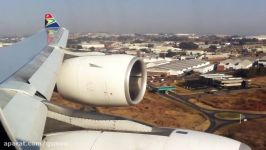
(50, 21)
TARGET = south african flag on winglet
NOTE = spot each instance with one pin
(50, 21)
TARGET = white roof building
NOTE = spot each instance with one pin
(186, 57)
(259, 37)
(262, 49)
(131, 46)
(262, 61)
(131, 52)
(225, 80)
(195, 52)
(205, 69)
(236, 64)
(90, 45)
(152, 62)
(5, 44)
(159, 49)
(179, 67)
(213, 56)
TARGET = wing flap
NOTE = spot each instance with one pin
(44, 78)
(25, 116)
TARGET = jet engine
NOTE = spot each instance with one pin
(112, 80)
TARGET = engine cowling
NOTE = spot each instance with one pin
(112, 80)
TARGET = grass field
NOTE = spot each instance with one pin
(159, 111)
(259, 81)
(154, 110)
(228, 115)
(252, 100)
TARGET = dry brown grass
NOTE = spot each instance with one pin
(183, 91)
(252, 133)
(159, 111)
(59, 100)
(154, 110)
(259, 81)
(252, 100)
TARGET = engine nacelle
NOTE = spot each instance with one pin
(112, 80)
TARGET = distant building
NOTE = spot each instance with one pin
(160, 48)
(262, 49)
(152, 62)
(131, 52)
(213, 56)
(92, 45)
(235, 64)
(206, 46)
(195, 52)
(220, 68)
(259, 37)
(186, 57)
(262, 61)
(179, 67)
(224, 81)
(204, 69)
(5, 44)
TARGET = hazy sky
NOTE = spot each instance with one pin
(137, 16)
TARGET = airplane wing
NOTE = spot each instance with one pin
(28, 73)
(34, 60)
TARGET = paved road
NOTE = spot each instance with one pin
(215, 123)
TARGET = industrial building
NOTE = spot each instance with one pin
(186, 57)
(224, 81)
(262, 49)
(179, 67)
(262, 61)
(86, 45)
(195, 52)
(204, 69)
(214, 56)
(161, 48)
(259, 37)
(5, 44)
(235, 64)
(152, 62)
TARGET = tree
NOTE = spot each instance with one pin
(137, 41)
(170, 53)
(188, 45)
(79, 47)
(145, 50)
(92, 49)
(150, 45)
(213, 47)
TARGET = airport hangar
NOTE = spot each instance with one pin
(179, 67)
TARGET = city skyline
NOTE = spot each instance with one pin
(242, 17)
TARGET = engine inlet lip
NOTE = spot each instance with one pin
(142, 85)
